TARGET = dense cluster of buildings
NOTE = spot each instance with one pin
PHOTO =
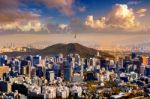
(57, 76)
(12, 49)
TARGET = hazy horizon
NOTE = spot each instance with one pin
(91, 40)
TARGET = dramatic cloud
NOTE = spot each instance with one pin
(22, 26)
(97, 24)
(64, 6)
(12, 18)
(141, 12)
(120, 17)
(16, 16)
(20, 21)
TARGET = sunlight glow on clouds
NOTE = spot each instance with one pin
(24, 23)
(12, 18)
(120, 17)
(17, 19)
(141, 12)
(97, 24)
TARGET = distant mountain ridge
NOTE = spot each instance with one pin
(65, 49)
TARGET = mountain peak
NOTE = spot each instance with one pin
(65, 49)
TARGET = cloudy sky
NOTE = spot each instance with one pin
(91, 18)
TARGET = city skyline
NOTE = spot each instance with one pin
(74, 49)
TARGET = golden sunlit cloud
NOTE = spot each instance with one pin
(120, 17)
(97, 24)
(141, 12)
(20, 21)
(12, 18)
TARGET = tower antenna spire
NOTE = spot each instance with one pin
(75, 36)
